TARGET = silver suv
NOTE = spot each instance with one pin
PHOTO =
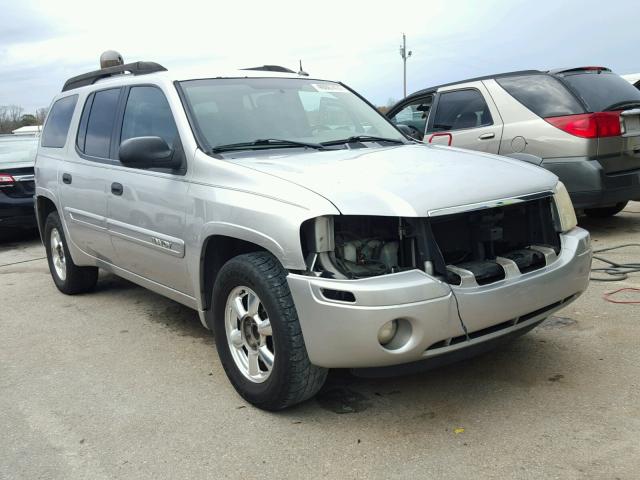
(305, 229)
(583, 124)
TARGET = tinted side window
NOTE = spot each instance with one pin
(602, 91)
(461, 109)
(543, 95)
(148, 114)
(57, 127)
(100, 123)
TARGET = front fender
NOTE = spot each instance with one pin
(248, 235)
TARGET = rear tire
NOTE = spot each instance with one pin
(285, 376)
(68, 277)
(604, 212)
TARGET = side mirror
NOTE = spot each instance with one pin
(148, 152)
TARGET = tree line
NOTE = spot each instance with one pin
(13, 116)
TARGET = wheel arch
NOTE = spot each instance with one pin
(44, 205)
(222, 245)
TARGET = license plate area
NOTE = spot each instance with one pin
(631, 123)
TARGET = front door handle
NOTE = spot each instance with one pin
(117, 188)
(486, 136)
(66, 178)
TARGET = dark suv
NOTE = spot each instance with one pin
(583, 124)
(17, 155)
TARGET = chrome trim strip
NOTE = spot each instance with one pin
(148, 238)
(489, 204)
(24, 178)
(86, 219)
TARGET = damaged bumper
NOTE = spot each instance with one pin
(344, 333)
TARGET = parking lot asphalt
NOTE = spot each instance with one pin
(123, 383)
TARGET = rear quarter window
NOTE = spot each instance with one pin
(542, 94)
(602, 91)
(58, 121)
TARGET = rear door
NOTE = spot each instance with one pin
(81, 175)
(146, 207)
(464, 116)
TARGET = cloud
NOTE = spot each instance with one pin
(356, 42)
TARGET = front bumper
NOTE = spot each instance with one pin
(344, 335)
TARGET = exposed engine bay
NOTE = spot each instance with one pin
(478, 244)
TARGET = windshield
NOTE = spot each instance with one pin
(17, 149)
(601, 91)
(236, 110)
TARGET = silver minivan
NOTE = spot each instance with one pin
(583, 124)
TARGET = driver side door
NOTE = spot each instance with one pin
(146, 207)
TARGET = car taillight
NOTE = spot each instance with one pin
(589, 125)
(6, 180)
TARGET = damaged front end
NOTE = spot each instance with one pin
(463, 248)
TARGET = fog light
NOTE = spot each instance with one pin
(387, 332)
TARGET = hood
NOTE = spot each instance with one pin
(405, 180)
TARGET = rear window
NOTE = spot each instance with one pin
(602, 91)
(57, 126)
(15, 148)
(542, 94)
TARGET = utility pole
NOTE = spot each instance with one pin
(404, 54)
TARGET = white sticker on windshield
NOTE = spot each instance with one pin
(328, 87)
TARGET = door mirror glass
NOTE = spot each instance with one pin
(148, 152)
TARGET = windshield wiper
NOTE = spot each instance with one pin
(625, 104)
(362, 138)
(265, 143)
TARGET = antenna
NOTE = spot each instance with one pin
(301, 71)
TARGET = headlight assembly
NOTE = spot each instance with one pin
(564, 208)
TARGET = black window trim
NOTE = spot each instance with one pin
(68, 127)
(117, 133)
(117, 130)
(90, 99)
(434, 109)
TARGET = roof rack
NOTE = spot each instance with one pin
(135, 68)
(271, 68)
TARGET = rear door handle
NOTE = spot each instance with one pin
(486, 136)
(66, 178)
(117, 188)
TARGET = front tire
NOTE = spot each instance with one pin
(258, 334)
(68, 277)
(604, 212)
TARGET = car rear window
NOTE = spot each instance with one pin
(14, 148)
(542, 94)
(57, 125)
(602, 91)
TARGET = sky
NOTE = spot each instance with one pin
(44, 42)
